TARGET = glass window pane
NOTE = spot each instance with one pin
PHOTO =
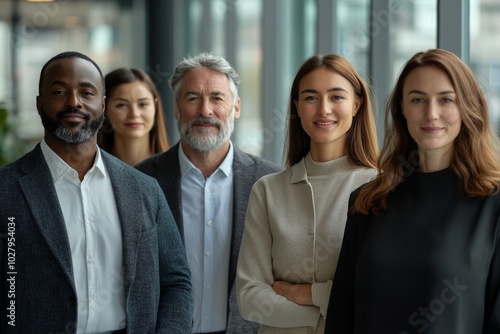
(110, 32)
(248, 134)
(485, 51)
(413, 28)
(353, 33)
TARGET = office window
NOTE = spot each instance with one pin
(353, 33)
(485, 51)
(110, 32)
(413, 28)
(248, 135)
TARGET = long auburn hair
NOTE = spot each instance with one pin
(158, 139)
(476, 158)
(361, 139)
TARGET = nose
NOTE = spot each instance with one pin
(325, 107)
(206, 109)
(432, 111)
(74, 100)
(134, 111)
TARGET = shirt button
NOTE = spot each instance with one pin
(91, 259)
(209, 223)
(208, 253)
(205, 317)
(208, 286)
(310, 330)
(87, 222)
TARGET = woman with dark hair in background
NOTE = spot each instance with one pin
(421, 251)
(136, 128)
(295, 218)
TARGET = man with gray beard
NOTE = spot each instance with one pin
(88, 244)
(207, 181)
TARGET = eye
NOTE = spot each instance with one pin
(88, 93)
(144, 105)
(337, 97)
(59, 92)
(217, 98)
(417, 100)
(310, 98)
(446, 100)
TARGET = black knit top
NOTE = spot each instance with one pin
(429, 264)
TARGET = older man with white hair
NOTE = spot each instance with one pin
(207, 182)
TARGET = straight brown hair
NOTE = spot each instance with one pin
(361, 143)
(158, 139)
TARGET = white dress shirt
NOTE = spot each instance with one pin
(207, 213)
(94, 234)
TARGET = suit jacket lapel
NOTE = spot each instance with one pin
(169, 178)
(41, 196)
(242, 183)
(130, 218)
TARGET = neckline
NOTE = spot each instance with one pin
(433, 181)
(314, 168)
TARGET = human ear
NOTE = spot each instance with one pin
(357, 105)
(237, 108)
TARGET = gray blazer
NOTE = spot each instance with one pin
(158, 293)
(247, 169)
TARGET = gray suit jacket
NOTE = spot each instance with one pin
(158, 293)
(247, 169)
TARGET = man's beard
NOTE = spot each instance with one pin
(57, 129)
(205, 141)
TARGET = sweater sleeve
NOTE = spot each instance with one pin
(321, 295)
(257, 301)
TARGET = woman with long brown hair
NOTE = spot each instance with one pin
(295, 218)
(135, 128)
(421, 250)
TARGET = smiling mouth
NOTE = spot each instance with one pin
(325, 123)
(73, 115)
(73, 118)
(432, 130)
(204, 124)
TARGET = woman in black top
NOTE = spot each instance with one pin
(421, 250)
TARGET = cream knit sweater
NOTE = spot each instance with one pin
(293, 231)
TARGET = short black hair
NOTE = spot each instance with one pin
(67, 54)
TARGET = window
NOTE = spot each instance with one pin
(485, 51)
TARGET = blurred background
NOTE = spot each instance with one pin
(265, 40)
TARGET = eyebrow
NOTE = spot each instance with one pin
(416, 91)
(334, 89)
(124, 99)
(194, 92)
(82, 83)
(119, 99)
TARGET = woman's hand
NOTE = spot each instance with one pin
(298, 293)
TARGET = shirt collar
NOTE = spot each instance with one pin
(299, 171)
(226, 166)
(58, 167)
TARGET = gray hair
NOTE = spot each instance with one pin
(206, 60)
